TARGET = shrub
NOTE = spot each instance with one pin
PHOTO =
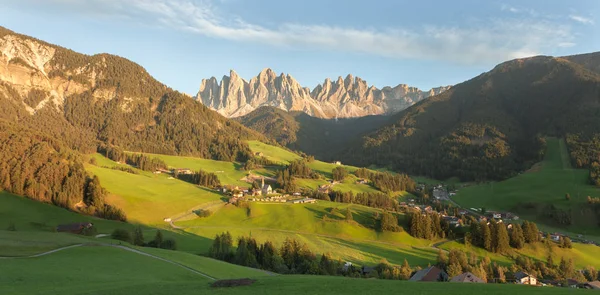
(169, 244)
(121, 235)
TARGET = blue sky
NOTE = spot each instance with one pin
(420, 43)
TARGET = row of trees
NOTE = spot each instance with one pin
(369, 199)
(201, 177)
(386, 181)
(296, 169)
(427, 226)
(292, 258)
(137, 238)
(139, 161)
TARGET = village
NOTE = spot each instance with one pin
(263, 194)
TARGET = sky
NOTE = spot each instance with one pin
(386, 42)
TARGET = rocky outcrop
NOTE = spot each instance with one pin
(349, 97)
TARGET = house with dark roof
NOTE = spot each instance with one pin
(467, 277)
(525, 278)
(430, 274)
(74, 228)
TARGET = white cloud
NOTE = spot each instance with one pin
(581, 19)
(475, 43)
(566, 44)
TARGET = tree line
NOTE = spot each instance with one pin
(386, 181)
(43, 169)
(201, 178)
(369, 199)
(139, 161)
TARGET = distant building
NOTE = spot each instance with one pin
(595, 285)
(430, 274)
(467, 277)
(337, 163)
(265, 188)
(74, 228)
(525, 279)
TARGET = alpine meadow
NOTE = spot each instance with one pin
(113, 182)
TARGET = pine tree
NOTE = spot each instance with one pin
(349, 215)
(138, 236)
(442, 259)
(517, 240)
(454, 270)
(405, 271)
(486, 236)
(502, 240)
(158, 239)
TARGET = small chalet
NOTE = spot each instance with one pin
(259, 154)
(525, 279)
(337, 163)
(74, 228)
(467, 277)
(595, 285)
(430, 274)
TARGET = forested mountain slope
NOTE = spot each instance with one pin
(491, 126)
(85, 100)
(323, 138)
(57, 104)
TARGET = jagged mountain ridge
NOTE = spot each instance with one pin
(344, 98)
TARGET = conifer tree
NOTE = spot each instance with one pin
(138, 236)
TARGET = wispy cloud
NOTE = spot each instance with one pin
(473, 43)
(581, 19)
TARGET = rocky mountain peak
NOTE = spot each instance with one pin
(346, 97)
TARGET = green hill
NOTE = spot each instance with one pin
(490, 127)
(323, 138)
(535, 193)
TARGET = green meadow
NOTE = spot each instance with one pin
(545, 183)
(323, 230)
(103, 270)
(35, 222)
(149, 198)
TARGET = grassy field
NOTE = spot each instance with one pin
(321, 229)
(101, 270)
(215, 268)
(546, 183)
(35, 223)
(228, 172)
(149, 198)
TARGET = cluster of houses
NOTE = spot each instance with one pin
(436, 274)
(264, 194)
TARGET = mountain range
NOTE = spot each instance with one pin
(345, 98)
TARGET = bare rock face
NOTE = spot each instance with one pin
(344, 98)
(27, 65)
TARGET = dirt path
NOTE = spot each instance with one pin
(119, 247)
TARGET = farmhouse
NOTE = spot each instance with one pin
(337, 163)
(525, 279)
(74, 228)
(467, 277)
(430, 274)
